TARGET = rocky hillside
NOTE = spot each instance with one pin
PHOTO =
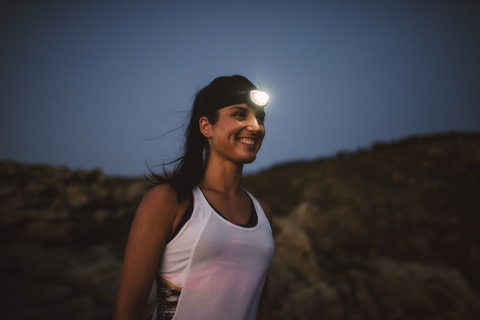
(62, 238)
(386, 233)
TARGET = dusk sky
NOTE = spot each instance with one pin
(100, 84)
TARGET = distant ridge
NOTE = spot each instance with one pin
(380, 144)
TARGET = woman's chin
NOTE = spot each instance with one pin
(250, 159)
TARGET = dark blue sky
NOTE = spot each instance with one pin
(96, 83)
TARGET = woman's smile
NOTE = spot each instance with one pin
(248, 141)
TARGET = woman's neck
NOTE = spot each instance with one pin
(223, 178)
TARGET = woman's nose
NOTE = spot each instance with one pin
(253, 124)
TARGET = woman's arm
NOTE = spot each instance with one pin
(264, 309)
(151, 227)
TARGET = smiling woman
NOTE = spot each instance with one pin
(239, 130)
(206, 240)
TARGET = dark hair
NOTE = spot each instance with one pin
(190, 168)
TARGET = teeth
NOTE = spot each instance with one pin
(248, 141)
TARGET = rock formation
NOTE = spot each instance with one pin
(386, 233)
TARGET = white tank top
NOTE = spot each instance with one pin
(219, 267)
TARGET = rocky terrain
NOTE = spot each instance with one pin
(386, 233)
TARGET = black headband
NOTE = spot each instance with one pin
(253, 98)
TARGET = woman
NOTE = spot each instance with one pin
(207, 241)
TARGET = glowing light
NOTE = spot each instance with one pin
(258, 97)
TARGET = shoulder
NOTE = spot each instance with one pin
(162, 194)
(266, 209)
(160, 203)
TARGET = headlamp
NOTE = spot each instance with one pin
(254, 98)
(258, 97)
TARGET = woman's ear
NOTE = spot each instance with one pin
(205, 127)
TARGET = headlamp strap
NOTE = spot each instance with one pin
(225, 101)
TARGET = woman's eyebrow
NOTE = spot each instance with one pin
(246, 109)
(239, 108)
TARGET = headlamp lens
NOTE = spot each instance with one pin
(258, 97)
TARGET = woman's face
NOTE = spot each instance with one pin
(238, 133)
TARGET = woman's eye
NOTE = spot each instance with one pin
(261, 120)
(240, 114)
